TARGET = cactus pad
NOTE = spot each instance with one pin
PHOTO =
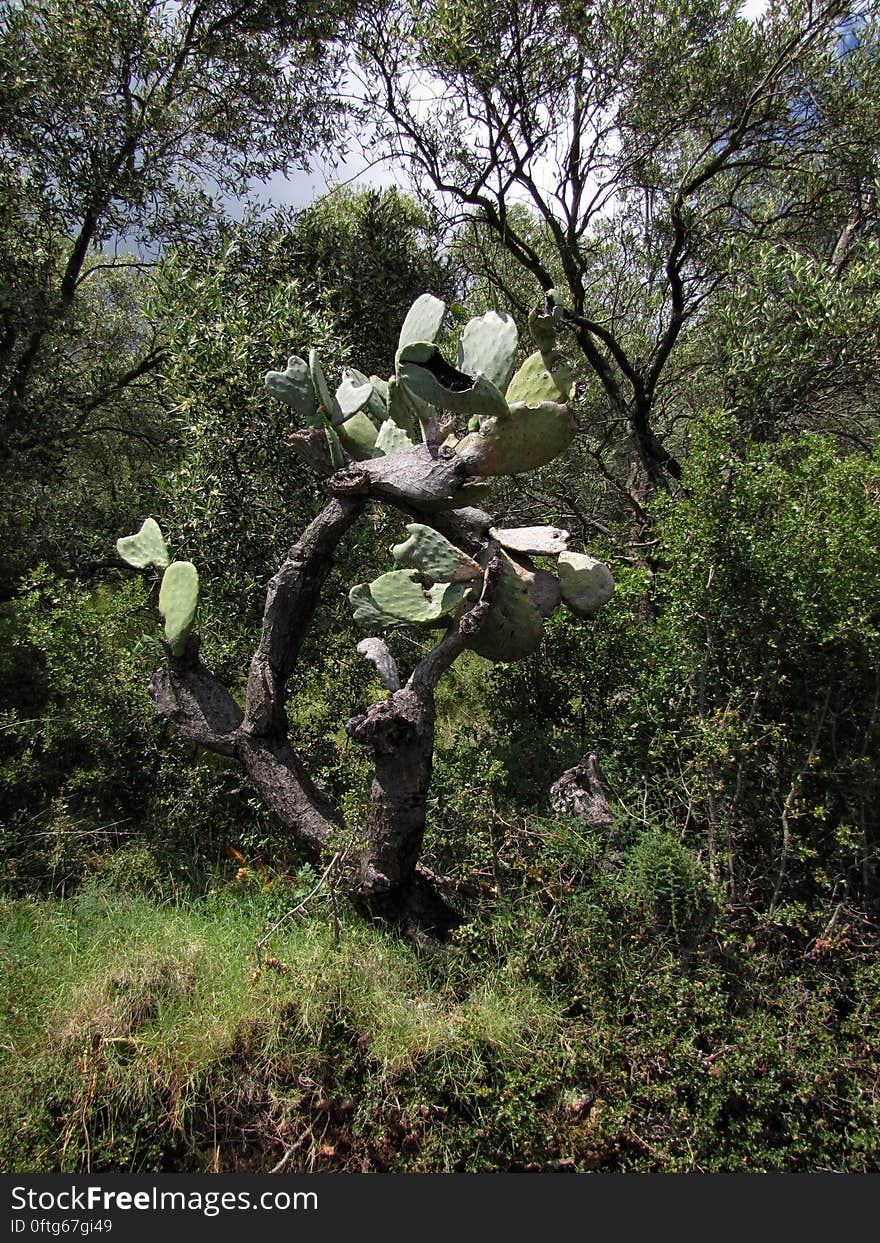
(539, 541)
(432, 554)
(391, 438)
(294, 386)
(366, 612)
(586, 583)
(545, 321)
(488, 347)
(424, 319)
(358, 435)
(513, 626)
(401, 595)
(178, 601)
(146, 548)
(354, 392)
(334, 447)
(322, 389)
(425, 374)
(542, 377)
(532, 436)
(402, 409)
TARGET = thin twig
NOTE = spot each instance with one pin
(790, 802)
(300, 905)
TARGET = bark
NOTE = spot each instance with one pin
(423, 475)
(379, 870)
(399, 735)
(580, 792)
(291, 600)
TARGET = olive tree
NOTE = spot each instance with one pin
(651, 142)
(118, 122)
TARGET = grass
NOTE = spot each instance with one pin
(121, 1009)
(569, 1024)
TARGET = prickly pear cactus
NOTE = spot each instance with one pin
(530, 435)
(514, 624)
(391, 438)
(586, 584)
(545, 321)
(511, 421)
(147, 547)
(542, 377)
(399, 598)
(425, 374)
(434, 556)
(178, 602)
(294, 386)
(358, 435)
(423, 322)
(546, 541)
(488, 347)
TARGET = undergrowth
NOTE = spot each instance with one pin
(593, 1013)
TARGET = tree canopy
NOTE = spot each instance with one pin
(654, 145)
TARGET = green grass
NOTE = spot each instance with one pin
(139, 1036)
(577, 1018)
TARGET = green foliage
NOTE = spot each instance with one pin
(367, 255)
(666, 881)
(75, 751)
(225, 314)
(735, 698)
(794, 342)
(567, 1024)
(127, 1025)
(114, 117)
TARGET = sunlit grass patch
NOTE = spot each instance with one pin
(124, 1015)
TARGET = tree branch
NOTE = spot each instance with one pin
(291, 600)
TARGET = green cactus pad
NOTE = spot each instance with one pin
(354, 392)
(148, 547)
(425, 373)
(322, 389)
(545, 321)
(488, 347)
(400, 595)
(424, 319)
(391, 438)
(178, 601)
(532, 436)
(294, 386)
(432, 554)
(402, 410)
(513, 627)
(586, 583)
(542, 377)
(366, 612)
(358, 436)
(334, 445)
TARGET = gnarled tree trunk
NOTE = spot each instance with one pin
(380, 854)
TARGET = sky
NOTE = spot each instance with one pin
(299, 189)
